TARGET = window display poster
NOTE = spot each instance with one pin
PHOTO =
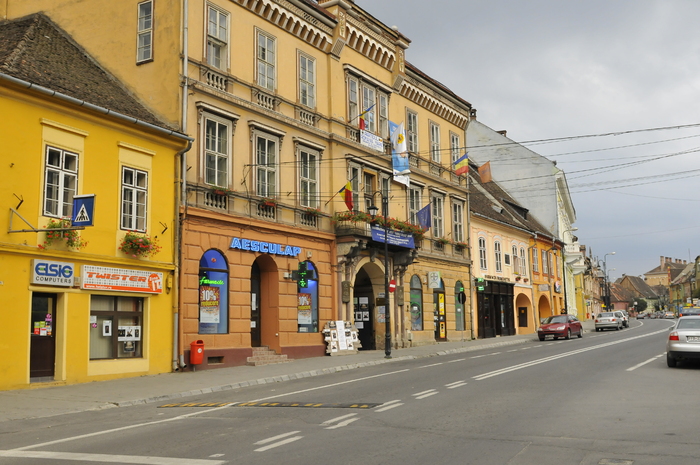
(128, 333)
(304, 309)
(209, 299)
(342, 343)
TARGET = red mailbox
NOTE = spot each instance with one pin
(196, 352)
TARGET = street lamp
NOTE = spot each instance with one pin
(606, 297)
(387, 318)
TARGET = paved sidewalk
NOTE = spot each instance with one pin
(58, 400)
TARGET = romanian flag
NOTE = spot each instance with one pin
(461, 165)
(362, 123)
(347, 190)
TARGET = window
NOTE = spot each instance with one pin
(438, 215)
(355, 172)
(454, 148)
(307, 298)
(545, 262)
(535, 261)
(411, 131)
(307, 81)
(434, 142)
(217, 38)
(216, 151)
(266, 165)
(117, 327)
(213, 293)
(498, 256)
(144, 33)
(383, 116)
(482, 253)
(516, 262)
(523, 264)
(416, 303)
(369, 108)
(60, 182)
(368, 183)
(458, 221)
(134, 197)
(353, 101)
(308, 177)
(266, 61)
(414, 204)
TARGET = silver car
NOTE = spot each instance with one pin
(608, 320)
(684, 340)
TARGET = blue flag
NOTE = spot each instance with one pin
(424, 218)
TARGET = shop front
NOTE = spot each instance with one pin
(495, 315)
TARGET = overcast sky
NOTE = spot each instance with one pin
(548, 69)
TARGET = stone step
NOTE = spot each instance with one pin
(265, 356)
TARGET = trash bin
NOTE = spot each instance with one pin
(196, 352)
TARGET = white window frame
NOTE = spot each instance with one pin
(514, 259)
(483, 262)
(458, 221)
(435, 142)
(414, 204)
(60, 182)
(545, 261)
(383, 114)
(134, 199)
(353, 101)
(369, 184)
(455, 147)
(307, 80)
(217, 27)
(438, 214)
(266, 60)
(498, 256)
(309, 160)
(218, 152)
(369, 107)
(355, 176)
(411, 131)
(266, 164)
(523, 263)
(144, 31)
(535, 260)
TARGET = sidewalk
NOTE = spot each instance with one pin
(58, 400)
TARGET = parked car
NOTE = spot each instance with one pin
(560, 326)
(625, 318)
(684, 340)
(669, 315)
(689, 311)
(606, 320)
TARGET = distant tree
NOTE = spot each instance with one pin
(641, 305)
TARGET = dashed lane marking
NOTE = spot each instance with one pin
(365, 405)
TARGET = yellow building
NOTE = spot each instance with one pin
(287, 103)
(84, 164)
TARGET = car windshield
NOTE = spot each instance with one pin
(606, 315)
(688, 324)
(555, 319)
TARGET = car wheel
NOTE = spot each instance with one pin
(541, 338)
(617, 328)
(597, 330)
(670, 361)
(568, 334)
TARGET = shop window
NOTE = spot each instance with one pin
(416, 303)
(213, 293)
(307, 298)
(116, 327)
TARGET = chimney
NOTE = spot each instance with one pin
(502, 132)
(663, 260)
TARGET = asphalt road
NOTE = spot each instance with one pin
(607, 398)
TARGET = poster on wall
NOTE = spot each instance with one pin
(209, 299)
(304, 309)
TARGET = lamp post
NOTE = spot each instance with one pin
(606, 297)
(387, 318)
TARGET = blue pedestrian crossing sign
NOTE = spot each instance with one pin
(83, 210)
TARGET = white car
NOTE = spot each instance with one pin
(684, 340)
(625, 318)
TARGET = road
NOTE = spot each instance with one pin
(607, 398)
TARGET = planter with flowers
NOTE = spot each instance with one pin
(269, 202)
(138, 245)
(221, 191)
(55, 234)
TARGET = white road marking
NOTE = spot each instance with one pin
(388, 406)
(457, 360)
(343, 423)
(424, 394)
(644, 363)
(104, 458)
(456, 384)
(333, 420)
(275, 438)
(277, 444)
(432, 365)
(558, 356)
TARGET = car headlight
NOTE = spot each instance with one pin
(560, 328)
(540, 329)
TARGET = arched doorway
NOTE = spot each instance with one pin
(524, 308)
(364, 310)
(264, 303)
(543, 308)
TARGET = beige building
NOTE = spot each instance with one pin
(288, 102)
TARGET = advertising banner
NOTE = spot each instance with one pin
(119, 279)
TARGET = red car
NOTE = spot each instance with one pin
(560, 326)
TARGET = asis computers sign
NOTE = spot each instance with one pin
(119, 279)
